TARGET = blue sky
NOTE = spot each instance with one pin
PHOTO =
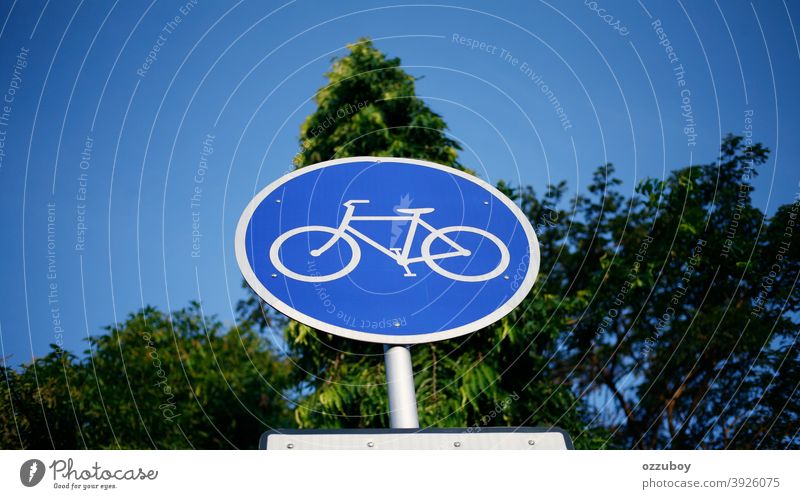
(107, 140)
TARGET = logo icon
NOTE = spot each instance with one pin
(31, 472)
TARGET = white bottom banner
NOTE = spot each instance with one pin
(375, 473)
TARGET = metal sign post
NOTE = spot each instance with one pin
(400, 382)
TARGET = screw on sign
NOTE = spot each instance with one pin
(387, 250)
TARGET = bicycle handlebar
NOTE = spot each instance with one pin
(356, 201)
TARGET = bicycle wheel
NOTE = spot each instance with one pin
(431, 259)
(274, 254)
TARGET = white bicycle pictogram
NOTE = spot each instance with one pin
(400, 255)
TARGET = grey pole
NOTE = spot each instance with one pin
(400, 381)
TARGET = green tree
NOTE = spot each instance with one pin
(38, 404)
(496, 377)
(153, 381)
(689, 305)
(369, 108)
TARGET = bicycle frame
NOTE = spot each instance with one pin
(399, 255)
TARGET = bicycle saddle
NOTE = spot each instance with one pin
(411, 211)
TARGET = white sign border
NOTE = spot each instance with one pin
(410, 339)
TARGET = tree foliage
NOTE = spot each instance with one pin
(666, 317)
(370, 108)
(690, 306)
(154, 381)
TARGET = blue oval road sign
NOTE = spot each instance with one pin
(387, 250)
